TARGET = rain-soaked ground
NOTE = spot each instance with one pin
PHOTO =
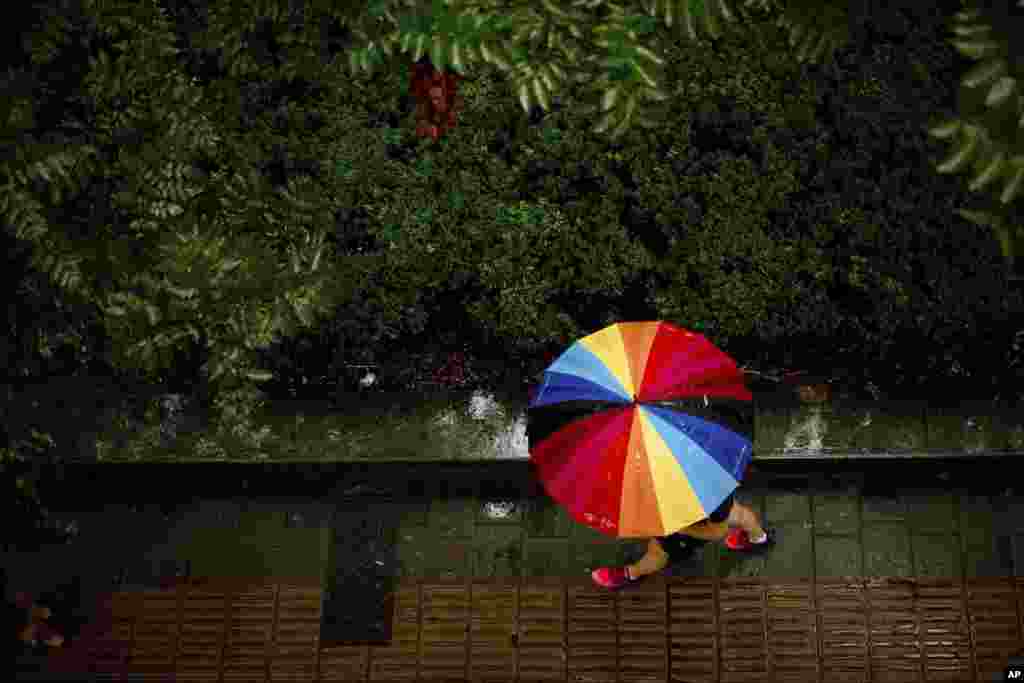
(376, 525)
(364, 539)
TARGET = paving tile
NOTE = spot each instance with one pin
(497, 551)
(1003, 552)
(257, 517)
(546, 557)
(172, 566)
(696, 565)
(784, 506)
(734, 564)
(301, 553)
(887, 549)
(586, 557)
(220, 513)
(220, 553)
(711, 556)
(452, 517)
(936, 556)
(933, 511)
(254, 555)
(883, 509)
(307, 515)
(412, 511)
(792, 556)
(583, 534)
(142, 524)
(988, 562)
(420, 554)
(977, 521)
(730, 566)
(1017, 549)
(139, 572)
(835, 513)
(1008, 513)
(546, 519)
(837, 556)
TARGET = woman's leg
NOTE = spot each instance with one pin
(653, 561)
(707, 530)
(745, 518)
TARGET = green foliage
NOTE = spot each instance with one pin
(987, 136)
(544, 48)
(731, 271)
(527, 253)
(180, 258)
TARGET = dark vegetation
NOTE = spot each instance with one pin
(887, 286)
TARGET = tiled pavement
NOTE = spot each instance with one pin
(826, 532)
(678, 630)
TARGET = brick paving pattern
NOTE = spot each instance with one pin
(544, 629)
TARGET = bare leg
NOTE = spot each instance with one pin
(745, 518)
(653, 561)
(707, 530)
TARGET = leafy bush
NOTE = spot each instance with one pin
(778, 208)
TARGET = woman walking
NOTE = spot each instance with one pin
(746, 535)
(732, 521)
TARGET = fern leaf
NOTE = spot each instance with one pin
(610, 97)
(259, 375)
(972, 30)
(1015, 185)
(990, 172)
(542, 97)
(978, 49)
(456, 57)
(946, 129)
(962, 156)
(523, 91)
(152, 313)
(1002, 90)
(605, 121)
(645, 76)
(419, 47)
(985, 72)
(438, 52)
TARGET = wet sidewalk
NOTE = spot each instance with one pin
(532, 630)
(826, 532)
(826, 529)
(462, 530)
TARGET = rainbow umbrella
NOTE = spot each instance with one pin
(641, 429)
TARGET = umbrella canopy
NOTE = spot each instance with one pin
(641, 429)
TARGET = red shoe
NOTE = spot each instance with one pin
(739, 540)
(612, 578)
